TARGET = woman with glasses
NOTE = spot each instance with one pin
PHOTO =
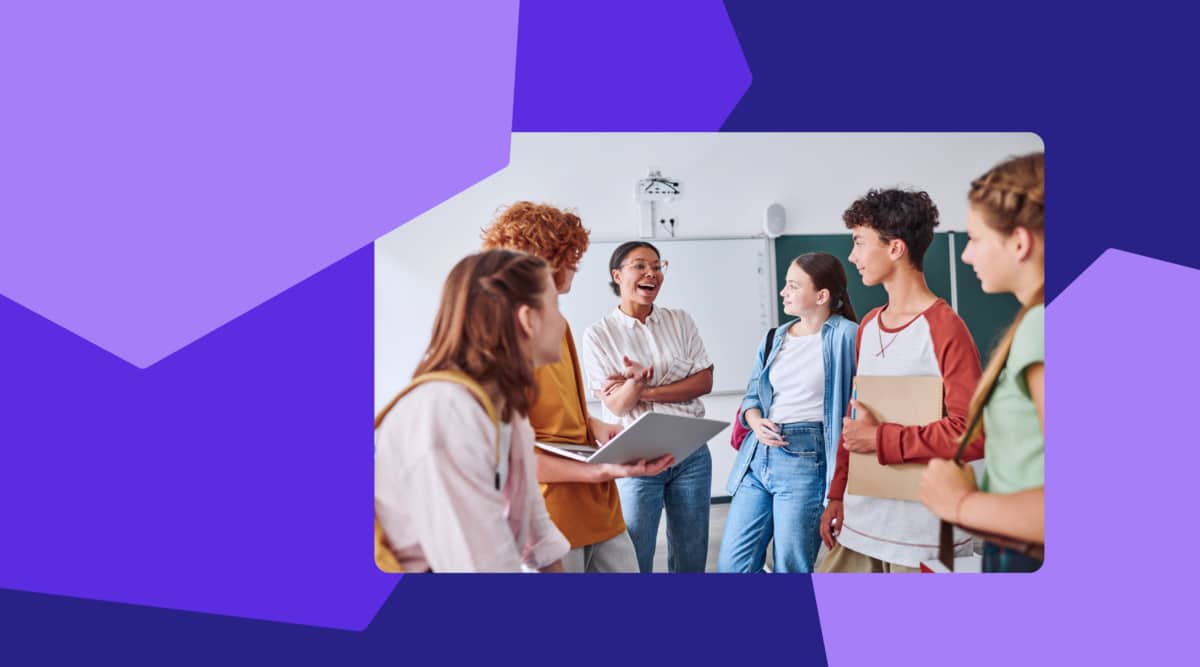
(643, 358)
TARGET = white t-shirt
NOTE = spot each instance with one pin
(902, 531)
(668, 341)
(798, 379)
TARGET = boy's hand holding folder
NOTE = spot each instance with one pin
(906, 400)
(858, 430)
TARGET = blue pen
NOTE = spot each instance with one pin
(855, 397)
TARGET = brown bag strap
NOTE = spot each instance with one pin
(946, 534)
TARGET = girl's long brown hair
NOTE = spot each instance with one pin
(475, 331)
(1011, 195)
(827, 272)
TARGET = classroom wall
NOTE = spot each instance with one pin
(728, 180)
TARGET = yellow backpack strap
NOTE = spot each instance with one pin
(385, 558)
(457, 377)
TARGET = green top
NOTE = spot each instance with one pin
(1014, 458)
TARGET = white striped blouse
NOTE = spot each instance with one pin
(668, 341)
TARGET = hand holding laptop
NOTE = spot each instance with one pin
(645, 441)
(642, 468)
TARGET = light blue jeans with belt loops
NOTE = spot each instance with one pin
(780, 497)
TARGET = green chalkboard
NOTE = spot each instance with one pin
(986, 315)
(788, 248)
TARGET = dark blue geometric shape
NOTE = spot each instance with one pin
(1106, 90)
(470, 620)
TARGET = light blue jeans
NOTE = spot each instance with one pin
(780, 497)
(686, 490)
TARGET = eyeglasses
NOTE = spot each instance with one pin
(641, 267)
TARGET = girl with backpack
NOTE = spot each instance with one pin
(798, 392)
(455, 482)
(1007, 248)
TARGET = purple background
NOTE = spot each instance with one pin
(169, 166)
(1115, 541)
(211, 481)
(1104, 91)
(228, 477)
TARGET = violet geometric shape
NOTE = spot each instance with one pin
(166, 167)
(674, 66)
(217, 480)
(1119, 496)
(233, 477)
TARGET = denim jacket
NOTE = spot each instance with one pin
(838, 341)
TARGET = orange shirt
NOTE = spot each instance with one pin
(586, 513)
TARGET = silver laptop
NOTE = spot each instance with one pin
(650, 436)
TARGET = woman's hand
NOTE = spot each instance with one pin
(944, 485)
(765, 430)
(634, 373)
(604, 431)
(637, 372)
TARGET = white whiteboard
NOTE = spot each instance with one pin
(727, 285)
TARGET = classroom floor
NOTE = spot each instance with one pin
(716, 524)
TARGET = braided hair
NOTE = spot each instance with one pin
(1011, 195)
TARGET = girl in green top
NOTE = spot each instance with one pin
(1006, 247)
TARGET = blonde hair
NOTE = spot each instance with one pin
(1011, 195)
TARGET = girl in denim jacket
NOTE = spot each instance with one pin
(794, 403)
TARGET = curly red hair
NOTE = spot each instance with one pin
(556, 236)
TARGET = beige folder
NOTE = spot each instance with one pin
(907, 400)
